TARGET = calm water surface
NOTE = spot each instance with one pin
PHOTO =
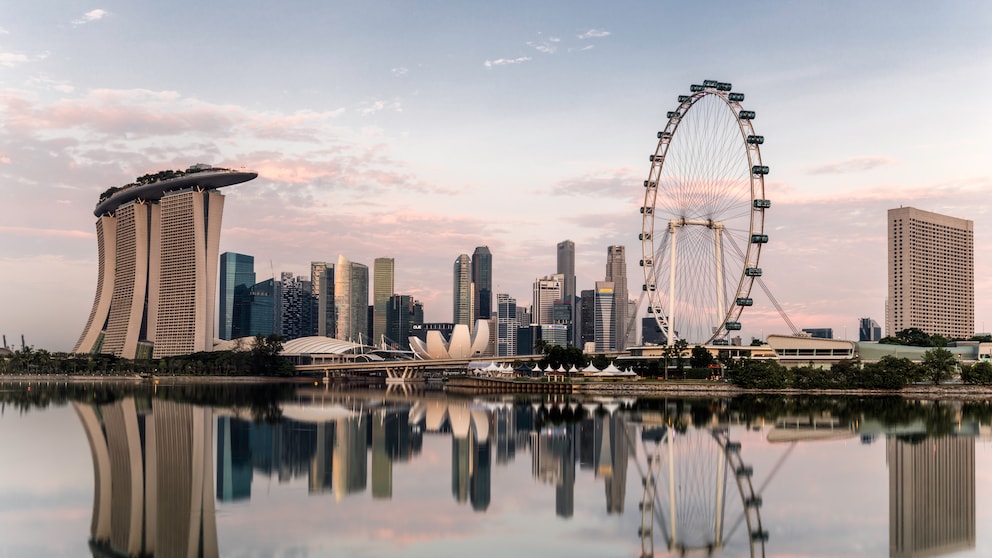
(258, 471)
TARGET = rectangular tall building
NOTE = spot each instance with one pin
(616, 273)
(383, 286)
(931, 274)
(237, 275)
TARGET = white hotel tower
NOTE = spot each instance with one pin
(158, 249)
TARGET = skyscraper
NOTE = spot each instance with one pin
(402, 313)
(383, 287)
(931, 274)
(351, 299)
(237, 275)
(604, 317)
(587, 317)
(322, 284)
(506, 325)
(616, 272)
(462, 298)
(547, 290)
(868, 330)
(482, 278)
(566, 268)
(296, 307)
(158, 245)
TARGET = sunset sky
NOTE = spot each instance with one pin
(420, 130)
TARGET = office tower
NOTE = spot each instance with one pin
(566, 268)
(547, 290)
(869, 330)
(383, 287)
(401, 315)
(158, 244)
(616, 272)
(265, 314)
(651, 334)
(296, 308)
(351, 299)
(237, 275)
(524, 317)
(931, 495)
(482, 278)
(462, 291)
(587, 320)
(506, 325)
(604, 317)
(931, 274)
(322, 285)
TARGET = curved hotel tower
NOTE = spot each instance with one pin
(158, 249)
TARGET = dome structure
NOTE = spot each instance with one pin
(463, 343)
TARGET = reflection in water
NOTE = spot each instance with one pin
(154, 486)
(152, 476)
(931, 495)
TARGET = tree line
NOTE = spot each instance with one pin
(260, 358)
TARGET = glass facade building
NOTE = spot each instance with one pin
(237, 275)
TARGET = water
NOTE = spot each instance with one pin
(257, 471)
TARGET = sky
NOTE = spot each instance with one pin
(420, 130)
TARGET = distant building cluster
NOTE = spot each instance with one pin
(333, 302)
(158, 241)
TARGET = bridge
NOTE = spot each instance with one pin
(395, 371)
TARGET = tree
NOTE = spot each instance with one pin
(701, 357)
(755, 342)
(680, 347)
(979, 373)
(938, 363)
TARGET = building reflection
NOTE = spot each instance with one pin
(931, 495)
(153, 485)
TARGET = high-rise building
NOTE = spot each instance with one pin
(297, 307)
(547, 291)
(587, 320)
(383, 287)
(604, 317)
(616, 272)
(482, 278)
(566, 268)
(237, 275)
(402, 313)
(351, 299)
(322, 283)
(869, 330)
(506, 325)
(265, 314)
(158, 245)
(462, 299)
(931, 274)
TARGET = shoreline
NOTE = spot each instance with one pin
(639, 388)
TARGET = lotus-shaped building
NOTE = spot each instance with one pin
(463, 344)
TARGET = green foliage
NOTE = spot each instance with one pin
(680, 347)
(979, 373)
(556, 355)
(701, 358)
(265, 360)
(914, 337)
(938, 364)
(600, 361)
(758, 374)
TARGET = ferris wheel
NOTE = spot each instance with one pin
(703, 217)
